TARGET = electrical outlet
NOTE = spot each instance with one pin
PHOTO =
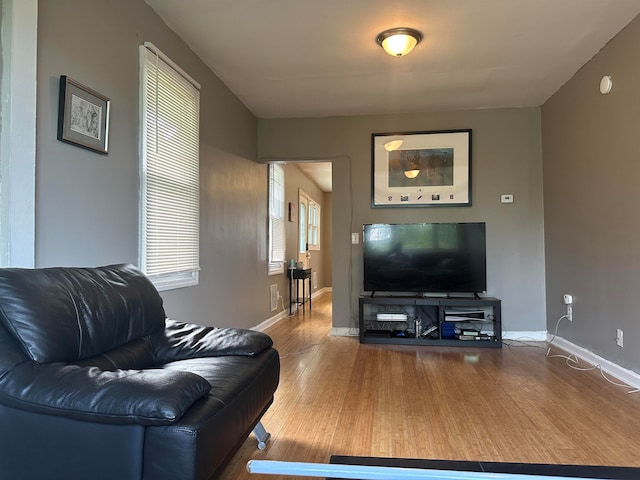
(567, 299)
(619, 338)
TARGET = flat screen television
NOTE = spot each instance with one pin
(425, 257)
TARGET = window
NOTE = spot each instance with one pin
(302, 241)
(276, 219)
(169, 216)
(313, 226)
(309, 224)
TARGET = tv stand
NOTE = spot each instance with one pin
(419, 320)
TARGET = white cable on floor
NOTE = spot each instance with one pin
(573, 359)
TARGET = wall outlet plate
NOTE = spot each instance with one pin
(273, 296)
(567, 298)
(506, 198)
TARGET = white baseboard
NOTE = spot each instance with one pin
(285, 313)
(319, 292)
(629, 377)
(271, 321)
(532, 336)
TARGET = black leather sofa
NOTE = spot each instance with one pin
(96, 383)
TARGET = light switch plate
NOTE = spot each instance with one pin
(355, 239)
(506, 198)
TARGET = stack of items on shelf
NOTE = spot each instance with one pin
(465, 325)
(393, 324)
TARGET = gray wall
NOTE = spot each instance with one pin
(87, 204)
(507, 158)
(591, 179)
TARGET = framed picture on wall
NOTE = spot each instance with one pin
(292, 212)
(83, 116)
(421, 169)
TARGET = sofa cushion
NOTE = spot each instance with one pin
(145, 397)
(69, 314)
(135, 355)
(180, 341)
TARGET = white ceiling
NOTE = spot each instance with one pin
(318, 172)
(315, 58)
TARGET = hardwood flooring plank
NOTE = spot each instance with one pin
(513, 404)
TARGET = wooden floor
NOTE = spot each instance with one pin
(337, 396)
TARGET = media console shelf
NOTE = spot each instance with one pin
(413, 320)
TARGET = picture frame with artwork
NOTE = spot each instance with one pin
(292, 212)
(83, 116)
(421, 169)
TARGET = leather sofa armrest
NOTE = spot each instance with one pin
(146, 397)
(181, 341)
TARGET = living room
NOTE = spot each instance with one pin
(557, 236)
(569, 163)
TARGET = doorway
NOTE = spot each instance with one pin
(308, 185)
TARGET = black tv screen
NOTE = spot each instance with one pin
(425, 257)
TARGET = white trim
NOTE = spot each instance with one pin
(275, 268)
(283, 314)
(319, 292)
(270, 321)
(531, 336)
(173, 65)
(627, 376)
(18, 136)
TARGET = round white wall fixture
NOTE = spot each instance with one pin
(605, 84)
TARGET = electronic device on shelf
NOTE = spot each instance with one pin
(425, 257)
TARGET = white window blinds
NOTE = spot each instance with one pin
(313, 237)
(276, 219)
(170, 220)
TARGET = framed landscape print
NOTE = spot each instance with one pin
(421, 169)
(83, 116)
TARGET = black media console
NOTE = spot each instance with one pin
(418, 320)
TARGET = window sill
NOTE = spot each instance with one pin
(275, 269)
(173, 281)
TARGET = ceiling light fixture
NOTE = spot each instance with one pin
(411, 173)
(399, 41)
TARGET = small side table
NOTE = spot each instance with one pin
(298, 275)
